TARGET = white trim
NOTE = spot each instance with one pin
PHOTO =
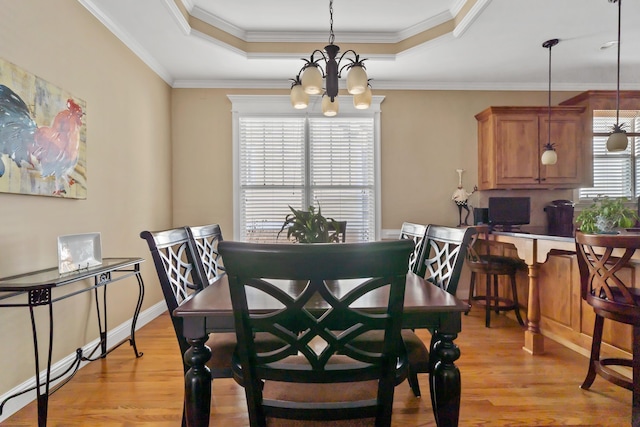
(470, 17)
(114, 336)
(178, 16)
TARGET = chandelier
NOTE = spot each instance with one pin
(618, 140)
(309, 80)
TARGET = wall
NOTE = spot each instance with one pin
(128, 164)
(426, 136)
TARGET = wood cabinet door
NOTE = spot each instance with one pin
(517, 150)
(566, 134)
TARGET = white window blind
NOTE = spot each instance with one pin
(615, 174)
(301, 161)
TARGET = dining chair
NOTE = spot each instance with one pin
(440, 262)
(603, 262)
(181, 275)
(415, 232)
(330, 379)
(206, 239)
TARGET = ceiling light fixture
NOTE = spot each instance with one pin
(549, 156)
(309, 79)
(618, 140)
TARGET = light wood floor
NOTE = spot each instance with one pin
(501, 386)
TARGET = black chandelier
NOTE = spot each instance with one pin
(309, 80)
(549, 155)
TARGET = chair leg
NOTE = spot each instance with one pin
(595, 352)
(412, 378)
(514, 291)
(496, 292)
(472, 285)
(487, 314)
(635, 409)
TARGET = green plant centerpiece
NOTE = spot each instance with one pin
(606, 214)
(310, 226)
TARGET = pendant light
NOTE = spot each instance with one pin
(549, 156)
(617, 140)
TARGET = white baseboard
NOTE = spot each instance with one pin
(116, 335)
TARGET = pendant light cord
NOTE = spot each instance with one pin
(549, 119)
(618, 83)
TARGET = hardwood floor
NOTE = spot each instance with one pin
(501, 386)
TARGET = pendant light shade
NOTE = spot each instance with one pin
(549, 155)
(357, 80)
(299, 98)
(312, 80)
(618, 140)
(329, 108)
(363, 101)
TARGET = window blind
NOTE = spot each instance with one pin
(615, 174)
(301, 161)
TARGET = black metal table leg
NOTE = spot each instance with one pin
(136, 313)
(36, 298)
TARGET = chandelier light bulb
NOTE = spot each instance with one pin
(299, 98)
(362, 101)
(329, 108)
(312, 80)
(357, 80)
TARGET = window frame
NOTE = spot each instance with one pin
(280, 106)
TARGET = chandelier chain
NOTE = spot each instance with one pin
(331, 36)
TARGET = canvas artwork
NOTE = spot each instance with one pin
(43, 134)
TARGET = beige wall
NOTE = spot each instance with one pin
(128, 167)
(426, 136)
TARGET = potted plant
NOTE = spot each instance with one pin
(606, 214)
(310, 226)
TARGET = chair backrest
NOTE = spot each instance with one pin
(601, 284)
(443, 254)
(414, 232)
(341, 230)
(206, 239)
(310, 273)
(179, 270)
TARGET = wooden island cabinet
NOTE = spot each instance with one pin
(511, 141)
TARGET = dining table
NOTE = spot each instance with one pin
(426, 306)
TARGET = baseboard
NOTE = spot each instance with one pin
(116, 335)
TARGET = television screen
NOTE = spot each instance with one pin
(509, 211)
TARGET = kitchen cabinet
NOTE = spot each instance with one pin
(511, 141)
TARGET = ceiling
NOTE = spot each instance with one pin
(410, 44)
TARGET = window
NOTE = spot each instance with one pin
(615, 174)
(286, 158)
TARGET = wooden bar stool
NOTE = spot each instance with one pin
(493, 266)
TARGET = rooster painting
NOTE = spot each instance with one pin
(40, 156)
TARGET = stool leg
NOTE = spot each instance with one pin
(487, 298)
(514, 291)
(472, 285)
(595, 352)
(496, 293)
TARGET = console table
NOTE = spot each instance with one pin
(35, 289)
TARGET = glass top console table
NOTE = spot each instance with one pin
(36, 289)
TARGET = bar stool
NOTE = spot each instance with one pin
(493, 266)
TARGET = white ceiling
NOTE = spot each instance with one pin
(496, 46)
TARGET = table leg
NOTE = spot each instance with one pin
(444, 381)
(197, 383)
(533, 339)
(136, 313)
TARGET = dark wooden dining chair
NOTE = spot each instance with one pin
(206, 239)
(331, 378)
(440, 262)
(415, 232)
(181, 275)
(603, 261)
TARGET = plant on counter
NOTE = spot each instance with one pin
(606, 214)
(310, 226)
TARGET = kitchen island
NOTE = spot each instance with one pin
(551, 291)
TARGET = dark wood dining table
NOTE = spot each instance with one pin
(425, 306)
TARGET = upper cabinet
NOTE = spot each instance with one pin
(511, 141)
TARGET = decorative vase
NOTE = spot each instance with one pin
(605, 225)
